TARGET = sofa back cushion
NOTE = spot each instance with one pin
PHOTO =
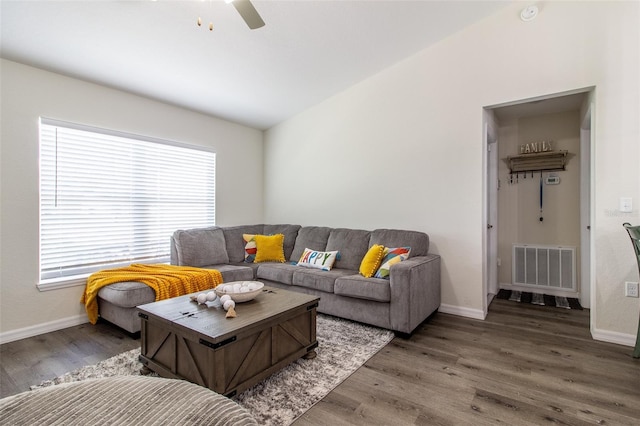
(418, 241)
(313, 237)
(235, 243)
(290, 233)
(352, 245)
(200, 247)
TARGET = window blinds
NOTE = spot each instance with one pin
(109, 199)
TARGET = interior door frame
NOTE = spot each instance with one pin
(490, 204)
(587, 185)
(587, 180)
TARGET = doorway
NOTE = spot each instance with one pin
(543, 208)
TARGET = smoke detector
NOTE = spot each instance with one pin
(529, 13)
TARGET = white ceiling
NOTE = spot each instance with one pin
(306, 52)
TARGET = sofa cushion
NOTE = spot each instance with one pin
(317, 279)
(290, 234)
(235, 243)
(313, 237)
(234, 272)
(352, 245)
(391, 257)
(128, 294)
(318, 259)
(371, 261)
(200, 247)
(418, 241)
(363, 288)
(278, 272)
(269, 248)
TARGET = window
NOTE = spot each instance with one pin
(110, 199)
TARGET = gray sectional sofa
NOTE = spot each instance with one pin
(399, 303)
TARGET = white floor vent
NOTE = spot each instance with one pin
(544, 266)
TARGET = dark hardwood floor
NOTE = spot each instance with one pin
(524, 364)
(30, 361)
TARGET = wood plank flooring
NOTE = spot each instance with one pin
(523, 365)
(30, 361)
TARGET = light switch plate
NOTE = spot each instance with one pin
(626, 204)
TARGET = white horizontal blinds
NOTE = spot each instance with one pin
(109, 199)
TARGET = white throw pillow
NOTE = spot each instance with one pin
(318, 259)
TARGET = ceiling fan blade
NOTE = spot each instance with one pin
(248, 13)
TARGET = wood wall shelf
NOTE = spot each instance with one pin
(537, 162)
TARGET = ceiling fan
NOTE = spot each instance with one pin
(248, 13)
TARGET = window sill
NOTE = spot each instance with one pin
(58, 283)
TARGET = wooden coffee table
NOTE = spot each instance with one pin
(185, 340)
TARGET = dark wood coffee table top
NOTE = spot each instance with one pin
(209, 319)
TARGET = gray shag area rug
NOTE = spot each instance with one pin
(343, 346)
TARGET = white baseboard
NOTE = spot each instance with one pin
(613, 337)
(48, 327)
(462, 311)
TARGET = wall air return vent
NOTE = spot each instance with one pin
(544, 266)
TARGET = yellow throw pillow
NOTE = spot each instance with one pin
(371, 261)
(269, 248)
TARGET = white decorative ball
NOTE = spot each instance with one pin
(211, 296)
(253, 286)
(224, 298)
(244, 290)
(202, 298)
(236, 288)
(229, 304)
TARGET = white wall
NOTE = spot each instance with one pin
(27, 94)
(404, 147)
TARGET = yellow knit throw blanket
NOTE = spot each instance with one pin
(166, 280)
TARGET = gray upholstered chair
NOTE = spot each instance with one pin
(634, 233)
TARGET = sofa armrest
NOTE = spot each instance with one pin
(415, 291)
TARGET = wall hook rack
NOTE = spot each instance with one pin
(537, 162)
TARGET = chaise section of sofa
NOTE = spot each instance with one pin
(400, 302)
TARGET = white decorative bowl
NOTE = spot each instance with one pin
(239, 297)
